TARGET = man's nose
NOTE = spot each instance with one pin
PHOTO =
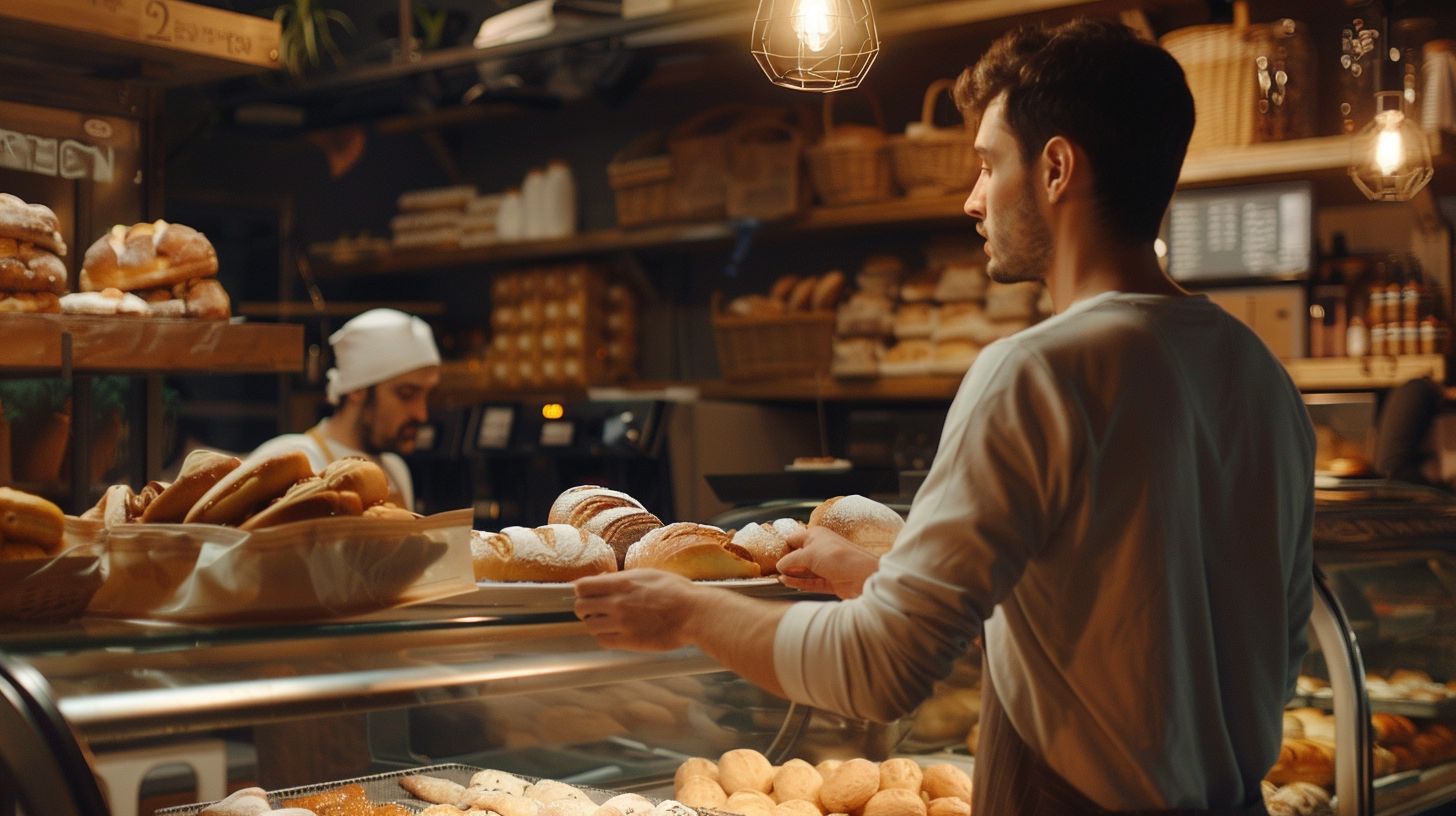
(975, 205)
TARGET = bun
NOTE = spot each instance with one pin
(826, 291)
(33, 223)
(499, 781)
(27, 519)
(357, 475)
(696, 766)
(249, 488)
(895, 802)
(702, 792)
(201, 470)
(850, 786)
(30, 303)
(389, 512)
(914, 320)
(797, 779)
(782, 287)
(961, 283)
(1393, 729)
(764, 544)
(797, 807)
(754, 306)
(801, 296)
(27, 268)
(750, 803)
(694, 551)
(577, 504)
(745, 769)
(621, 527)
(551, 554)
(900, 773)
(946, 780)
(146, 256)
(1298, 799)
(948, 806)
(309, 500)
(1304, 760)
(866, 523)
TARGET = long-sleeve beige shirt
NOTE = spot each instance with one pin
(1122, 502)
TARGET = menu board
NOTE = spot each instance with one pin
(1240, 233)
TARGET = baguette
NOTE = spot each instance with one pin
(250, 488)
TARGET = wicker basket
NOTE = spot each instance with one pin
(699, 149)
(766, 347)
(1217, 61)
(641, 177)
(935, 161)
(848, 171)
(49, 590)
(765, 179)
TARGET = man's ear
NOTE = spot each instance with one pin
(1060, 168)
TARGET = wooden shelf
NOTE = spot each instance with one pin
(32, 343)
(1364, 373)
(1320, 156)
(296, 309)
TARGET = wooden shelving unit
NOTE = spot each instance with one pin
(142, 345)
(1364, 373)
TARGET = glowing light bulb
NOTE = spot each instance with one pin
(813, 23)
(1390, 158)
(1389, 150)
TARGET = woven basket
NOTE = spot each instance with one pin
(1218, 63)
(936, 161)
(699, 149)
(641, 178)
(765, 179)
(848, 172)
(767, 347)
(48, 590)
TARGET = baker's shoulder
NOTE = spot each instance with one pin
(287, 443)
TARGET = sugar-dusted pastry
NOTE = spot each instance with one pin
(32, 223)
(765, 544)
(550, 554)
(245, 802)
(696, 551)
(146, 256)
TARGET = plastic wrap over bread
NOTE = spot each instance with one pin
(306, 570)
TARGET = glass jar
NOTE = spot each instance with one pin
(1286, 78)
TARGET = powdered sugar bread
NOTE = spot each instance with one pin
(550, 554)
(764, 543)
(146, 256)
(696, 551)
(867, 524)
(577, 504)
(621, 527)
(33, 223)
(787, 527)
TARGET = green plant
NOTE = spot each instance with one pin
(306, 34)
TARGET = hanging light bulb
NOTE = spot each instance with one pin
(1390, 159)
(815, 45)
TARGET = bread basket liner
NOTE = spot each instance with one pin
(55, 590)
(322, 568)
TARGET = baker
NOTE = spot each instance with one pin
(1121, 502)
(386, 364)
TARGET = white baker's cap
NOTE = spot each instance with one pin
(376, 346)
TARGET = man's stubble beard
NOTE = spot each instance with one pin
(1024, 248)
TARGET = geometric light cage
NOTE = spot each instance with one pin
(815, 45)
(1390, 158)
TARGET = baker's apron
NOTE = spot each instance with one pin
(1012, 780)
(317, 436)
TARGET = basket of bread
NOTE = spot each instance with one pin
(787, 333)
(851, 163)
(273, 540)
(50, 564)
(929, 160)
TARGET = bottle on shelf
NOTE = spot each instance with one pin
(1410, 307)
(561, 197)
(535, 204)
(1375, 310)
(1328, 301)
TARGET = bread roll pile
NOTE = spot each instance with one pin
(157, 269)
(791, 294)
(217, 489)
(32, 276)
(1308, 751)
(1296, 799)
(30, 527)
(506, 795)
(744, 782)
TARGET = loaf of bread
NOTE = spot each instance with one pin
(307, 500)
(32, 223)
(577, 504)
(29, 303)
(1304, 760)
(827, 291)
(781, 288)
(551, 554)
(695, 551)
(146, 256)
(621, 527)
(25, 267)
(250, 488)
(764, 544)
(31, 522)
(1393, 729)
(866, 523)
(801, 297)
(201, 471)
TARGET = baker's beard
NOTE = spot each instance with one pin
(375, 442)
(1022, 241)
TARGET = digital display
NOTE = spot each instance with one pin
(1241, 233)
(557, 433)
(495, 428)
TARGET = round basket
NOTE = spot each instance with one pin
(935, 161)
(1216, 60)
(847, 171)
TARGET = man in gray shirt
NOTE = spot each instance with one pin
(1121, 503)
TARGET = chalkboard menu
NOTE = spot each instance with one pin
(1240, 233)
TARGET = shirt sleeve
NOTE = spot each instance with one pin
(992, 498)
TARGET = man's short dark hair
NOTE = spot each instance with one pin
(1121, 99)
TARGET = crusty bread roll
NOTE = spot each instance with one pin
(27, 519)
(249, 489)
(764, 544)
(577, 504)
(204, 299)
(1393, 729)
(750, 803)
(1298, 799)
(1304, 760)
(201, 471)
(358, 475)
(754, 306)
(146, 256)
(30, 303)
(695, 551)
(550, 554)
(948, 806)
(621, 527)
(801, 297)
(745, 769)
(315, 501)
(866, 523)
(24, 267)
(850, 786)
(900, 773)
(945, 779)
(695, 766)
(895, 802)
(33, 223)
(797, 779)
(388, 511)
(797, 807)
(702, 792)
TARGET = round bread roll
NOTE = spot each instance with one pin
(696, 766)
(850, 786)
(797, 779)
(146, 256)
(750, 803)
(701, 792)
(900, 773)
(201, 471)
(204, 299)
(606, 811)
(27, 519)
(32, 223)
(630, 804)
(895, 802)
(695, 551)
(21, 552)
(764, 543)
(866, 523)
(745, 769)
(948, 806)
(24, 267)
(782, 287)
(577, 504)
(797, 807)
(801, 297)
(828, 767)
(551, 554)
(621, 527)
(827, 291)
(946, 780)
(249, 488)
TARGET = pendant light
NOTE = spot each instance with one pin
(1390, 159)
(815, 45)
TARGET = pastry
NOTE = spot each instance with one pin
(30, 303)
(442, 810)
(900, 773)
(866, 523)
(696, 766)
(358, 475)
(171, 309)
(826, 291)
(551, 554)
(960, 321)
(577, 504)
(695, 551)
(387, 511)
(1012, 301)
(781, 288)
(797, 779)
(27, 519)
(920, 287)
(801, 297)
(145, 256)
(745, 769)
(571, 807)
(249, 489)
(915, 320)
(895, 802)
(865, 315)
(245, 802)
(504, 804)
(547, 791)
(946, 780)
(621, 527)
(948, 806)
(702, 792)
(32, 223)
(668, 807)
(1392, 729)
(310, 500)
(201, 470)
(788, 527)
(907, 357)
(1298, 799)
(765, 545)
(1293, 727)
(953, 357)
(961, 282)
(347, 800)
(204, 299)
(499, 781)
(850, 786)
(24, 267)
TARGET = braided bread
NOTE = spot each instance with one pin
(146, 256)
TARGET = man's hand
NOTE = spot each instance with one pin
(823, 561)
(637, 610)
